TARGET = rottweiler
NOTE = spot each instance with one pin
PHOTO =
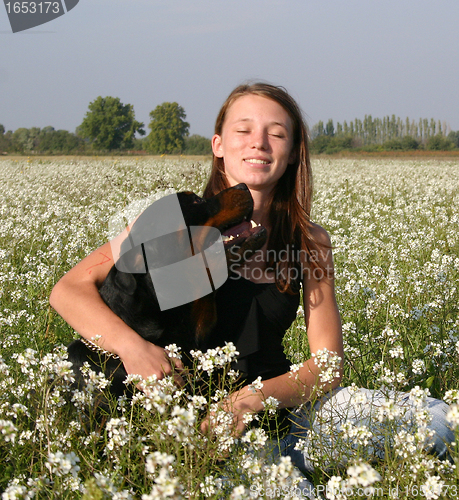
(132, 295)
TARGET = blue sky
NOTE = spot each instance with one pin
(340, 59)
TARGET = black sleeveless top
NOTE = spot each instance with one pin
(255, 317)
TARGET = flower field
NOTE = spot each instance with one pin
(394, 226)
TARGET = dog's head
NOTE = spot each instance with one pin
(230, 212)
(227, 214)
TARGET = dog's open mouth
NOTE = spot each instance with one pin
(236, 235)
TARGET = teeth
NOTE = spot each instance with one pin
(253, 160)
(229, 238)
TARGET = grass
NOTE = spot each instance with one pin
(394, 227)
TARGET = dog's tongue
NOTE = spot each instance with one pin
(238, 230)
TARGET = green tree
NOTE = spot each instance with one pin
(198, 145)
(439, 142)
(25, 140)
(320, 144)
(110, 124)
(454, 138)
(317, 130)
(168, 129)
(329, 128)
(3, 141)
(59, 141)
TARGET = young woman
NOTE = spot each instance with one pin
(260, 140)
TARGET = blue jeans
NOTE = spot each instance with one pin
(351, 421)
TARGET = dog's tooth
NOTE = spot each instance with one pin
(254, 224)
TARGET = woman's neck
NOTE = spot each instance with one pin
(261, 203)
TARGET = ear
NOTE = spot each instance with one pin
(217, 146)
(204, 316)
(126, 282)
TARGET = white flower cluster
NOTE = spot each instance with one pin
(360, 475)
(181, 424)
(256, 385)
(256, 438)
(215, 358)
(418, 366)
(270, 404)
(432, 488)
(118, 432)
(221, 423)
(62, 464)
(8, 430)
(453, 415)
(329, 364)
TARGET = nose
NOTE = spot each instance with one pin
(260, 139)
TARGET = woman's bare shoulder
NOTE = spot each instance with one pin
(319, 234)
(320, 249)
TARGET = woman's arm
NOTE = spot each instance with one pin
(323, 325)
(76, 298)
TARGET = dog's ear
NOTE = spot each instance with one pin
(126, 282)
(204, 316)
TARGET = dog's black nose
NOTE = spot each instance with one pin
(241, 186)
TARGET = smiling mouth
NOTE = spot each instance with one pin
(256, 161)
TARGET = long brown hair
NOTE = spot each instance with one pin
(289, 213)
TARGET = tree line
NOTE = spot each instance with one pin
(386, 134)
(110, 126)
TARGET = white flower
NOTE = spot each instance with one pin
(173, 351)
(8, 430)
(61, 464)
(158, 459)
(453, 415)
(418, 366)
(256, 385)
(256, 437)
(270, 404)
(396, 352)
(451, 396)
(432, 488)
(389, 409)
(362, 474)
(335, 489)
(295, 367)
(239, 493)
(329, 363)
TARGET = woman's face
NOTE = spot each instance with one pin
(256, 143)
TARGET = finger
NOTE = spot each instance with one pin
(204, 427)
(176, 363)
(179, 380)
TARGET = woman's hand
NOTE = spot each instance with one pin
(143, 358)
(237, 407)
